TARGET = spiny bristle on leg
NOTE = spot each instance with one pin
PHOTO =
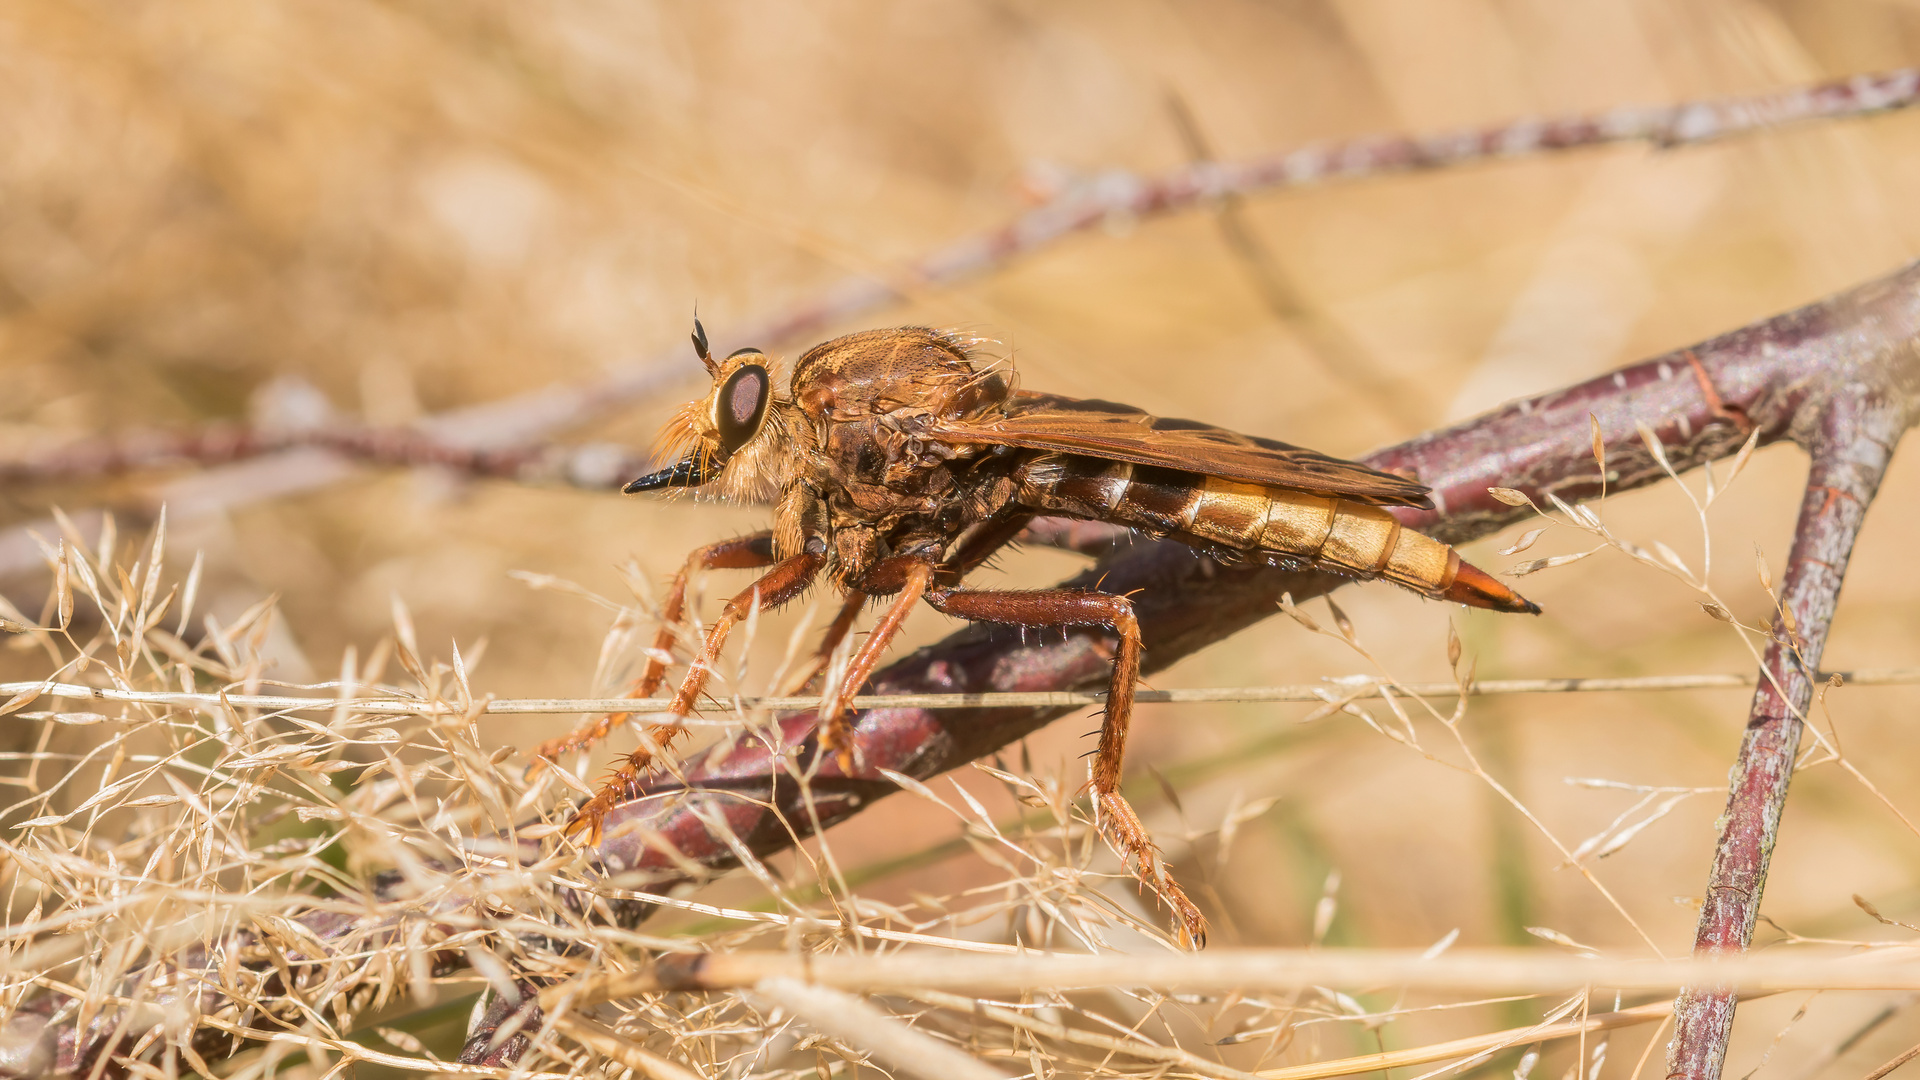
(622, 784)
(1123, 829)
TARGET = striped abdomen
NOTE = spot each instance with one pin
(1348, 537)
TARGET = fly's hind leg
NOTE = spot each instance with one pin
(1118, 822)
(788, 579)
(743, 553)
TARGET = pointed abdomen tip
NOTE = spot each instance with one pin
(1475, 587)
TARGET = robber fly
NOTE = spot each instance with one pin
(898, 460)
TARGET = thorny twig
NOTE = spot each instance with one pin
(1848, 421)
(592, 465)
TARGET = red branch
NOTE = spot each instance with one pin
(599, 466)
(1849, 427)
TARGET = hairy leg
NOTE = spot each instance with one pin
(976, 548)
(743, 553)
(1119, 823)
(909, 577)
(788, 579)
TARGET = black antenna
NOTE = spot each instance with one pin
(700, 346)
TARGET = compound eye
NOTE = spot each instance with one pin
(740, 405)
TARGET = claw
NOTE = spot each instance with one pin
(587, 819)
(1122, 828)
(836, 737)
(620, 784)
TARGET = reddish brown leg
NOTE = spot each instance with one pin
(788, 579)
(1122, 827)
(829, 641)
(744, 553)
(977, 548)
(911, 578)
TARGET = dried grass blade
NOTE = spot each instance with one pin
(1740, 459)
(1526, 541)
(1654, 446)
(859, 1024)
(63, 588)
(1625, 836)
(1672, 558)
(1537, 565)
(190, 592)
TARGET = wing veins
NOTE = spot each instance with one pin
(1115, 432)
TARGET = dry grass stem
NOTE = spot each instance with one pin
(865, 1028)
(1475, 971)
(1341, 689)
(1478, 1047)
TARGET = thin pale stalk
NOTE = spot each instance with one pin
(1333, 690)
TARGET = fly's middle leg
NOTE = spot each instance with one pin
(1118, 821)
(743, 553)
(788, 579)
(982, 544)
(909, 578)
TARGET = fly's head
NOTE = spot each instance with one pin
(735, 441)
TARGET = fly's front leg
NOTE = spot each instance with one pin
(744, 553)
(788, 579)
(1119, 823)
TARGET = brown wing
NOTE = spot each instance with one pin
(1104, 429)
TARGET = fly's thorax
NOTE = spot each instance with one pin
(867, 406)
(857, 452)
(908, 369)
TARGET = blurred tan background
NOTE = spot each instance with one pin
(418, 207)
